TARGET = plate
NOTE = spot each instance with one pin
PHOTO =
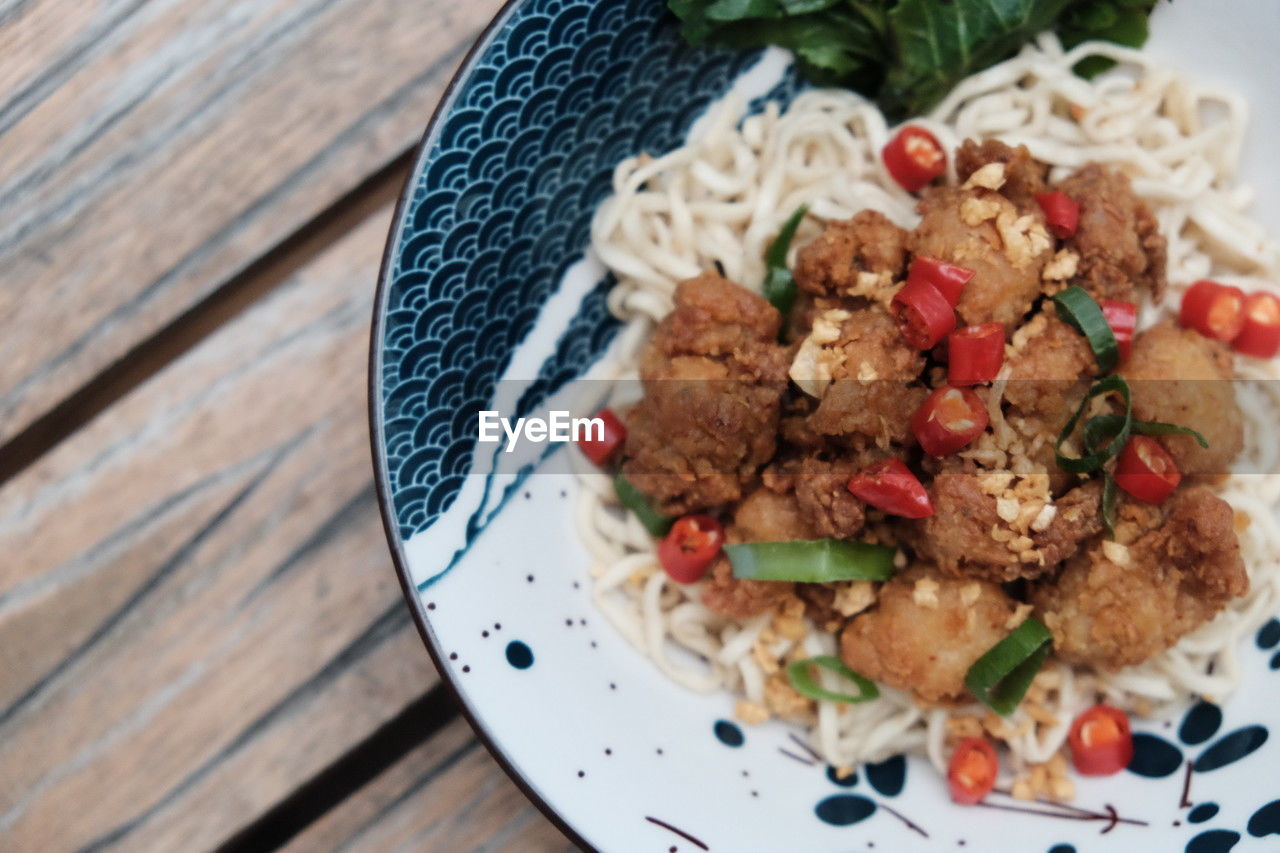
(487, 301)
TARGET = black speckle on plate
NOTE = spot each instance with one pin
(1154, 757)
(1231, 748)
(529, 578)
(519, 655)
(847, 782)
(1200, 723)
(1203, 812)
(1213, 841)
(844, 809)
(1266, 820)
(1269, 635)
(888, 776)
(728, 733)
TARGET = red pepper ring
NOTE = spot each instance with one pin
(975, 354)
(972, 771)
(949, 419)
(690, 547)
(1145, 470)
(1122, 317)
(1214, 310)
(914, 157)
(1101, 741)
(891, 487)
(612, 436)
(1260, 336)
(923, 313)
(949, 279)
(1061, 213)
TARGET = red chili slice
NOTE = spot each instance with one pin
(949, 279)
(690, 547)
(1122, 317)
(975, 354)
(1214, 310)
(972, 772)
(1260, 336)
(949, 419)
(1101, 741)
(890, 486)
(923, 313)
(601, 450)
(1146, 470)
(1061, 213)
(914, 158)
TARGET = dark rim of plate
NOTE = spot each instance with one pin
(380, 478)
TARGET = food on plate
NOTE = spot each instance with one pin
(934, 442)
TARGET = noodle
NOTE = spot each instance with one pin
(720, 199)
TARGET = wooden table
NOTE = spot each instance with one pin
(202, 640)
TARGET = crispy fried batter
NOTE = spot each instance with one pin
(983, 231)
(1024, 175)
(821, 494)
(713, 378)
(1181, 377)
(853, 258)
(926, 631)
(1169, 581)
(1049, 372)
(1119, 242)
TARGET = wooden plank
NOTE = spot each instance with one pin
(153, 150)
(447, 794)
(197, 608)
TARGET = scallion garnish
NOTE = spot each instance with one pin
(1077, 307)
(1000, 678)
(631, 498)
(1094, 457)
(801, 678)
(779, 285)
(811, 561)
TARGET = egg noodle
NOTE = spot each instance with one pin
(721, 199)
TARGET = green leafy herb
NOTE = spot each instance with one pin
(631, 498)
(1076, 307)
(1109, 503)
(1000, 678)
(811, 561)
(779, 285)
(801, 678)
(1096, 453)
(907, 54)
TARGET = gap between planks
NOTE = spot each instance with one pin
(257, 280)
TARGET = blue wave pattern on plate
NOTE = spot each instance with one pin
(502, 207)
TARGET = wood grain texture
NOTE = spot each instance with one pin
(154, 149)
(197, 611)
(447, 794)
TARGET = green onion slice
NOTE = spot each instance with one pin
(1109, 503)
(1106, 423)
(779, 285)
(631, 498)
(1000, 678)
(811, 561)
(801, 678)
(1077, 307)
(1095, 456)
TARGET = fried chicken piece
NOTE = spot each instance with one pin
(1049, 370)
(983, 231)
(958, 536)
(821, 493)
(1116, 605)
(865, 376)
(741, 599)
(1181, 377)
(1119, 242)
(713, 377)
(1024, 175)
(926, 630)
(856, 257)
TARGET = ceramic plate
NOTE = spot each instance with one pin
(486, 293)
